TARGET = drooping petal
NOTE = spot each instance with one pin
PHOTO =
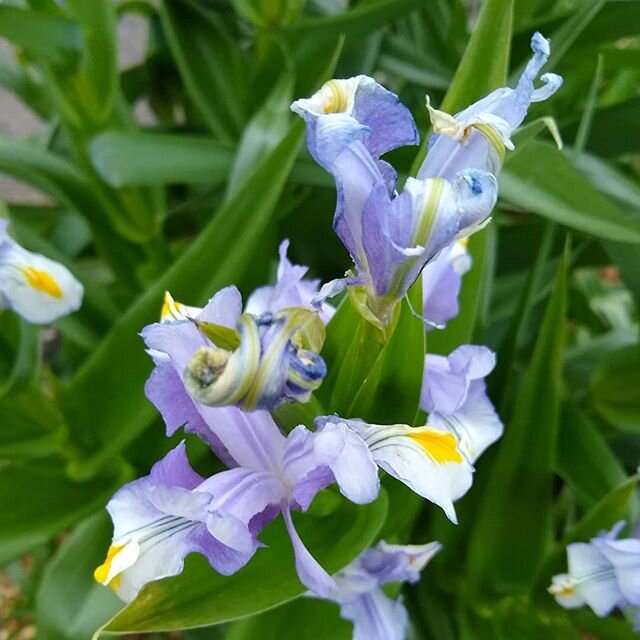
(160, 519)
(37, 288)
(311, 574)
(441, 283)
(398, 562)
(477, 136)
(427, 460)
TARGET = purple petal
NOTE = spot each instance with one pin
(375, 616)
(311, 574)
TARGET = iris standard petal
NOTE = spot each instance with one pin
(375, 616)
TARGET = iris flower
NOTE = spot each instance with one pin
(359, 593)
(603, 574)
(392, 236)
(161, 518)
(35, 287)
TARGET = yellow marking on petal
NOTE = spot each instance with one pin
(463, 242)
(337, 102)
(102, 572)
(170, 308)
(566, 589)
(438, 445)
(42, 281)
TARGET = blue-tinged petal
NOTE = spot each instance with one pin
(441, 284)
(375, 616)
(447, 379)
(594, 577)
(398, 562)
(401, 235)
(624, 556)
(369, 104)
(290, 290)
(478, 136)
(311, 574)
(159, 520)
(347, 455)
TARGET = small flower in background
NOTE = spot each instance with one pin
(454, 395)
(478, 136)
(375, 615)
(603, 574)
(159, 519)
(427, 460)
(35, 287)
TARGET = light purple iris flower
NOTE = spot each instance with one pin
(476, 137)
(268, 366)
(454, 395)
(390, 236)
(291, 290)
(603, 574)
(441, 284)
(159, 519)
(359, 593)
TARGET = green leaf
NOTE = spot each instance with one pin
(483, 66)
(32, 426)
(119, 412)
(312, 619)
(355, 23)
(26, 366)
(52, 39)
(70, 604)
(124, 158)
(510, 534)
(613, 388)
(210, 64)
(200, 596)
(60, 179)
(397, 372)
(38, 500)
(584, 460)
(98, 81)
(263, 131)
(542, 180)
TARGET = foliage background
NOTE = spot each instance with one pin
(198, 194)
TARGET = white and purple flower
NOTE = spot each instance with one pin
(37, 288)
